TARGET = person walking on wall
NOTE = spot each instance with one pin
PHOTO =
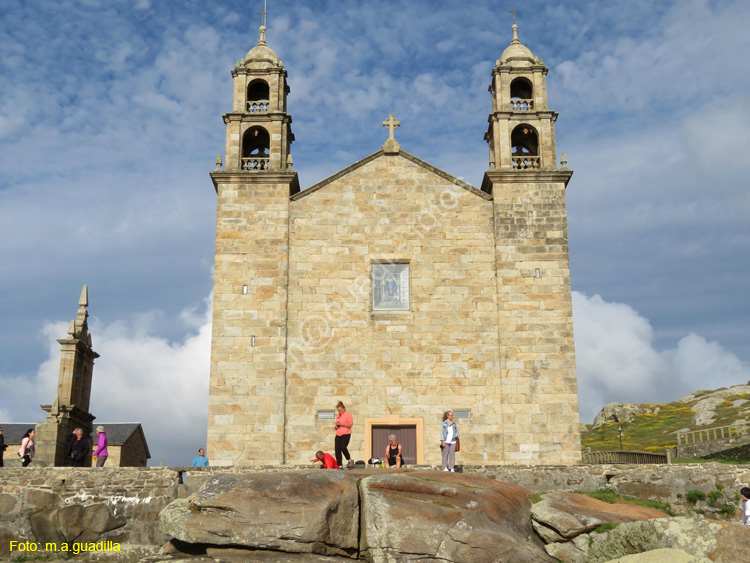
(100, 454)
(28, 447)
(78, 450)
(3, 446)
(343, 426)
(448, 440)
(200, 460)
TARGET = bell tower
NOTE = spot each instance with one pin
(248, 342)
(259, 132)
(521, 131)
(538, 381)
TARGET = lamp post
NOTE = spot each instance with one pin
(619, 431)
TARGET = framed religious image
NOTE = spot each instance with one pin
(390, 286)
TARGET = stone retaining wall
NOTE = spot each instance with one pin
(707, 447)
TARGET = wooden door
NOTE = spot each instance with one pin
(406, 436)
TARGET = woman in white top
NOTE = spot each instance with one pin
(448, 438)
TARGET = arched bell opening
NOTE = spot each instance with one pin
(258, 96)
(256, 143)
(522, 95)
(525, 142)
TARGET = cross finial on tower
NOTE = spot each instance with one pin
(263, 15)
(391, 145)
(515, 27)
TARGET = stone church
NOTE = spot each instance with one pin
(394, 287)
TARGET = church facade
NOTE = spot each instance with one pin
(393, 287)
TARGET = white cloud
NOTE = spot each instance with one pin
(706, 365)
(144, 378)
(617, 360)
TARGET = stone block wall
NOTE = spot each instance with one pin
(482, 333)
(538, 377)
(247, 384)
(440, 354)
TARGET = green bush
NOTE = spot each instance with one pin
(695, 495)
(727, 508)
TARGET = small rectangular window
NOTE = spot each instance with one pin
(390, 287)
(461, 414)
(326, 415)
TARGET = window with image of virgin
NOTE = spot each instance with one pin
(390, 287)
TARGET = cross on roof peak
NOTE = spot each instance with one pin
(391, 146)
(391, 123)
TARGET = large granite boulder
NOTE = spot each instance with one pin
(75, 523)
(312, 511)
(562, 516)
(617, 412)
(438, 516)
(700, 538)
(661, 556)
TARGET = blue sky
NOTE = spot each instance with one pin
(110, 119)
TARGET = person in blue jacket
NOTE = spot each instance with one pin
(200, 460)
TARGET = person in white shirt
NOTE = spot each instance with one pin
(745, 494)
(448, 440)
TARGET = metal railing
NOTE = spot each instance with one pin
(635, 458)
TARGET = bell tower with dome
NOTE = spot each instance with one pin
(252, 263)
(538, 369)
(521, 131)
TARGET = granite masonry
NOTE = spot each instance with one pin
(393, 286)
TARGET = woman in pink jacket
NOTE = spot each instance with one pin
(28, 447)
(100, 454)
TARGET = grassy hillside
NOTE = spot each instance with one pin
(657, 431)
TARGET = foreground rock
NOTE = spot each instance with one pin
(562, 516)
(661, 556)
(294, 511)
(698, 537)
(437, 516)
(74, 524)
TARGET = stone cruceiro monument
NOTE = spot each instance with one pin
(392, 286)
(70, 408)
